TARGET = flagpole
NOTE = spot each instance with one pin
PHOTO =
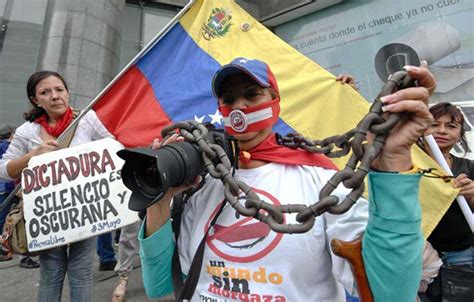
(466, 210)
(114, 80)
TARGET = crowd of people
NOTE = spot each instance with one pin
(242, 258)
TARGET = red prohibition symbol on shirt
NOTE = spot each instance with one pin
(242, 239)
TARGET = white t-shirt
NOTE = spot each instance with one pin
(245, 260)
(27, 137)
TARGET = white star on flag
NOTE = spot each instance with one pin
(216, 117)
(199, 119)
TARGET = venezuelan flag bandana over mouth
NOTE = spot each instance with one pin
(253, 118)
(250, 119)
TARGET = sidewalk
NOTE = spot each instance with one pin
(18, 284)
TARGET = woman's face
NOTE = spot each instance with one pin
(446, 132)
(240, 92)
(52, 96)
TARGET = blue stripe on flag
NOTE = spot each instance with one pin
(180, 73)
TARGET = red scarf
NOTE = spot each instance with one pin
(269, 150)
(61, 124)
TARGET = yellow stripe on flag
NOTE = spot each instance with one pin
(312, 102)
(305, 87)
(435, 195)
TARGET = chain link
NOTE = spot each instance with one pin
(352, 176)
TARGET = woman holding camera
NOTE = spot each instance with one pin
(243, 259)
(50, 115)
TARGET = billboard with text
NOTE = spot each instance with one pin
(370, 39)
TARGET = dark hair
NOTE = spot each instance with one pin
(6, 131)
(442, 109)
(34, 79)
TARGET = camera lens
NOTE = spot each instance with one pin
(147, 178)
(150, 173)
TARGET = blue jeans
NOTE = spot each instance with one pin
(105, 249)
(465, 257)
(4, 212)
(75, 259)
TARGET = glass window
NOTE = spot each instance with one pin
(133, 36)
(155, 21)
(20, 42)
(130, 34)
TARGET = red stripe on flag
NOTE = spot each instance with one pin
(131, 111)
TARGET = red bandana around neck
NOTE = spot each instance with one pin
(270, 150)
(61, 124)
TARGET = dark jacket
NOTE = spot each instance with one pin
(5, 187)
(453, 233)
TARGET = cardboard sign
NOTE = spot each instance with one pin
(75, 193)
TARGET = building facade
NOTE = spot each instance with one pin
(90, 41)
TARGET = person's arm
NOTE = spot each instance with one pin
(156, 240)
(18, 155)
(16, 166)
(395, 155)
(347, 79)
(392, 244)
(156, 252)
(466, 186)
(159, 213)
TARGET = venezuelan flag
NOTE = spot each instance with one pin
(172, 82)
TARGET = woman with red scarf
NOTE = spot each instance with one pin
(242, 258)
(50, 116)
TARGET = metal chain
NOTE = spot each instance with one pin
(352, 176)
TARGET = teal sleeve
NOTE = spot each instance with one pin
(156, 253)
(392, 245)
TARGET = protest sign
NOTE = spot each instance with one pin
(74, 193)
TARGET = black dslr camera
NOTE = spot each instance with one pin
(150, 173)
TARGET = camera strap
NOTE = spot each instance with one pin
(176, 211)
(186, 291)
